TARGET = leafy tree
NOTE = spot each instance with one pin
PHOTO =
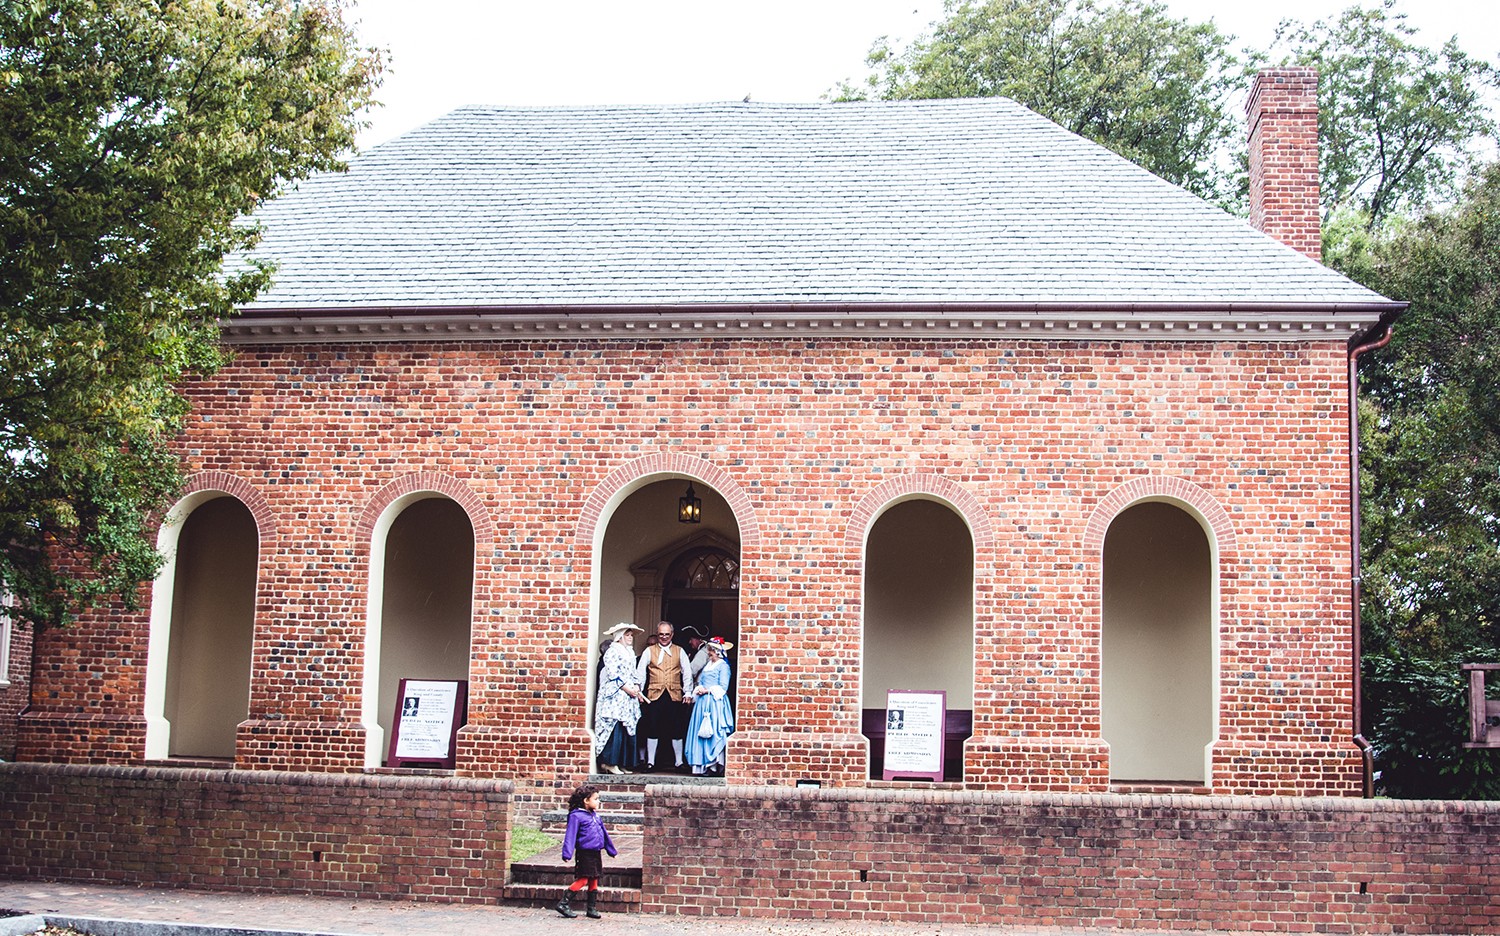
(1125, 74)
(1398, 126)
(1397, 120)
(1430, 446)
(139, 135)
(1430, 486)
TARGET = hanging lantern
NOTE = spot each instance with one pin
(689, 507)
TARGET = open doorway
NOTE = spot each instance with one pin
(202, 633)
(420, 619)
(919, 621)
(213, 620)
(654, 567)
(1157, 645)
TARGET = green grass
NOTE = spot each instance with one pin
(526, 842)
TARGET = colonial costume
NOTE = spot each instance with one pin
(697, 645)
(617, 709)
(713, 718)
(666, 676)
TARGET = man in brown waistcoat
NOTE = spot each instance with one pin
(666, 677)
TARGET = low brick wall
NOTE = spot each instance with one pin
(1153, 862)
(423, 838)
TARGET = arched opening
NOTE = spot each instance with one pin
(1157, 645)
(919, 620)
(420, 627)
(202, 690)
(653, 567)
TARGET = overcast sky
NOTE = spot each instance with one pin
(448, 53)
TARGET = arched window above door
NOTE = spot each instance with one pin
(708, 570)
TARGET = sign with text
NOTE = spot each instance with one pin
(428, 715)
(914, 734)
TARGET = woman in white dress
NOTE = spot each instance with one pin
(617, 707)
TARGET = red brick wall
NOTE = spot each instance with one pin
(1282, 111)
(374, 836)
(14, 697)
(1039, 444)
(1152, 862)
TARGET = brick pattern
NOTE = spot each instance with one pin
(15, 697)
(81, 737)
(1282, 111)
(1289, 865)
(419, 838)
(1037, 444)
(279, 744)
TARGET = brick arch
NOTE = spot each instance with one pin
(689, 466)
(924, 485)
(1159, 488)
(419, 481)
(241, 490)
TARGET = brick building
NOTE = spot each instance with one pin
(15, 679)
(971, 405)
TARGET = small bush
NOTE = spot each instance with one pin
(1419, 710)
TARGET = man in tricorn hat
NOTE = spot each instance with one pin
(697, 648)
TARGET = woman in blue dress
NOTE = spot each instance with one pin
(712, 720)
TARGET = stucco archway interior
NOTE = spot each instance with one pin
(212, 629)
(427, 599)
(653, 568)
(919, 618)
(1157, 645)
(641, 544)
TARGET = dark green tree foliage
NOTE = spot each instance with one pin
(1421, 722)
(1430, 487)
(1125, 74)
(1430, 440)
(1397, 119)
(138, 135)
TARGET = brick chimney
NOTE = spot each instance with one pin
(1283, 117)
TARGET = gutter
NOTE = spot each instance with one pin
(1366, 342)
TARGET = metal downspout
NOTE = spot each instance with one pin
(1367, 751)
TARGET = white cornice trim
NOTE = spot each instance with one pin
(1112, 322)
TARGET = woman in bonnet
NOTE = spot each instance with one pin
(617, 708)
(713, 719)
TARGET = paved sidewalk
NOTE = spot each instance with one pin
(333, 917)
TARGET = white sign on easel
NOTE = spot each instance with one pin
(914, 736)
(428, 715)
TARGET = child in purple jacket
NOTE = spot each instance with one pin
(586, 835)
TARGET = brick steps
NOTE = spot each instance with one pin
(1155, 787)
(193, 763)
(622, 799)
(610, 900)
(621, 810)
(539, 880)
(548, 870)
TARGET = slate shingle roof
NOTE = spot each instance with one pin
(966, 201)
